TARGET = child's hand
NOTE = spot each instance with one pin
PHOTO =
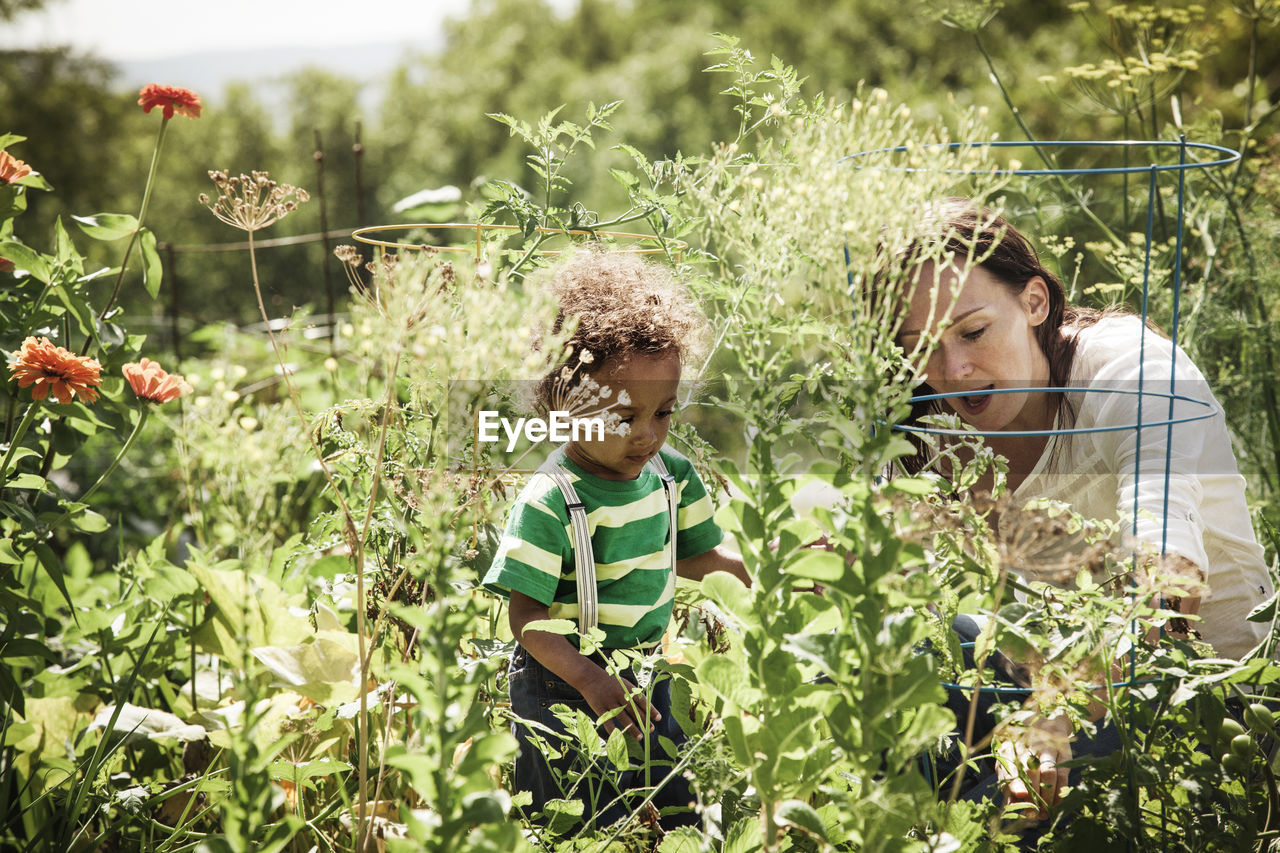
(605, 693)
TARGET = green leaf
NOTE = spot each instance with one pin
(36, 181)
(484, 807)
(12, 202)
(70, 261)
(563, 627)
(617, 749)
(728, 679)
(732, 596)
(26, 481)
(743, 836)
(79, 308)
(53, 566)
(822, 566)
(107, 226)
(1264, 612)
(917, 486)
(25, 258)
(683, 839)
(301, 772)
(8, 556)
(20, 647)
(627, 179)
(325, 671)
(279, 835)
(152, 269)
(88, 521)
(802, 816)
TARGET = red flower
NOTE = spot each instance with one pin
(150, 382)
(51, 368)
(184, 102)
(6, 265)
(12, 169)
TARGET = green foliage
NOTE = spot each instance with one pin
(253, 624)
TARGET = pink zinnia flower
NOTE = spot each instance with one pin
(150, 382)
(12, 169)
(50, 368)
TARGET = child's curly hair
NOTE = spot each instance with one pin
(623, 305)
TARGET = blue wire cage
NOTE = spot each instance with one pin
(1154, 405)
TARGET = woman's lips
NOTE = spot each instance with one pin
(974, 404)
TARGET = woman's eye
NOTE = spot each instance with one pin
(665, 413)
(627, 420)
(975, 334)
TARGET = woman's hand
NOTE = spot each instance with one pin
(1029, 763)
(604, 693)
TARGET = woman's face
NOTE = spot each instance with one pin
(985, 340)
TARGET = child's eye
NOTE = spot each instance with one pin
(975, 334)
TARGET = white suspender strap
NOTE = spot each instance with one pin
(673, 501)
(584, 560)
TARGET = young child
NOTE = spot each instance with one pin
(636, 328)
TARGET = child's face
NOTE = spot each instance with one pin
(650, 382)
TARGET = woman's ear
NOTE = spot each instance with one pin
(1035, 300)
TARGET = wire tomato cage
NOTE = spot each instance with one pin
(482, 241)
(470, 238)
(1149, 400)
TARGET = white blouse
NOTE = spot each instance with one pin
(1100, 474)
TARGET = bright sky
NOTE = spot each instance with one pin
(133, 30)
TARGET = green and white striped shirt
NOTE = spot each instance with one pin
(629, 523)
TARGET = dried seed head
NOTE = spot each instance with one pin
(252, 202)
(348, 255)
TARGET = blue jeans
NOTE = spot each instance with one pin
(607, 794)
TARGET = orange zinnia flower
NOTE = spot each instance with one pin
(150, 382)
(184, 102)
(12, 169)
(49, 367)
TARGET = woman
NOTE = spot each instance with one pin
(984, 316)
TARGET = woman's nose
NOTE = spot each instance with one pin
(955, 364)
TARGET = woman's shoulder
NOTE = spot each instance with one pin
(1120, 332)
(1116, 342)
(1122, 348)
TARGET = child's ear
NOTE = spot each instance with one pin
(1035, 300)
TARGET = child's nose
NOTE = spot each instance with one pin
(645, 433)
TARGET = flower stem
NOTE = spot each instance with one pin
(115, 463)
(142, 215)
(17, 438)
(366, 833)
(355, 542)
(1035, 144)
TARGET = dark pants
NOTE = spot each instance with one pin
(607, 793)
(980, 780)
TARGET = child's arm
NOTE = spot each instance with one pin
(718, 559)
(602, 691)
